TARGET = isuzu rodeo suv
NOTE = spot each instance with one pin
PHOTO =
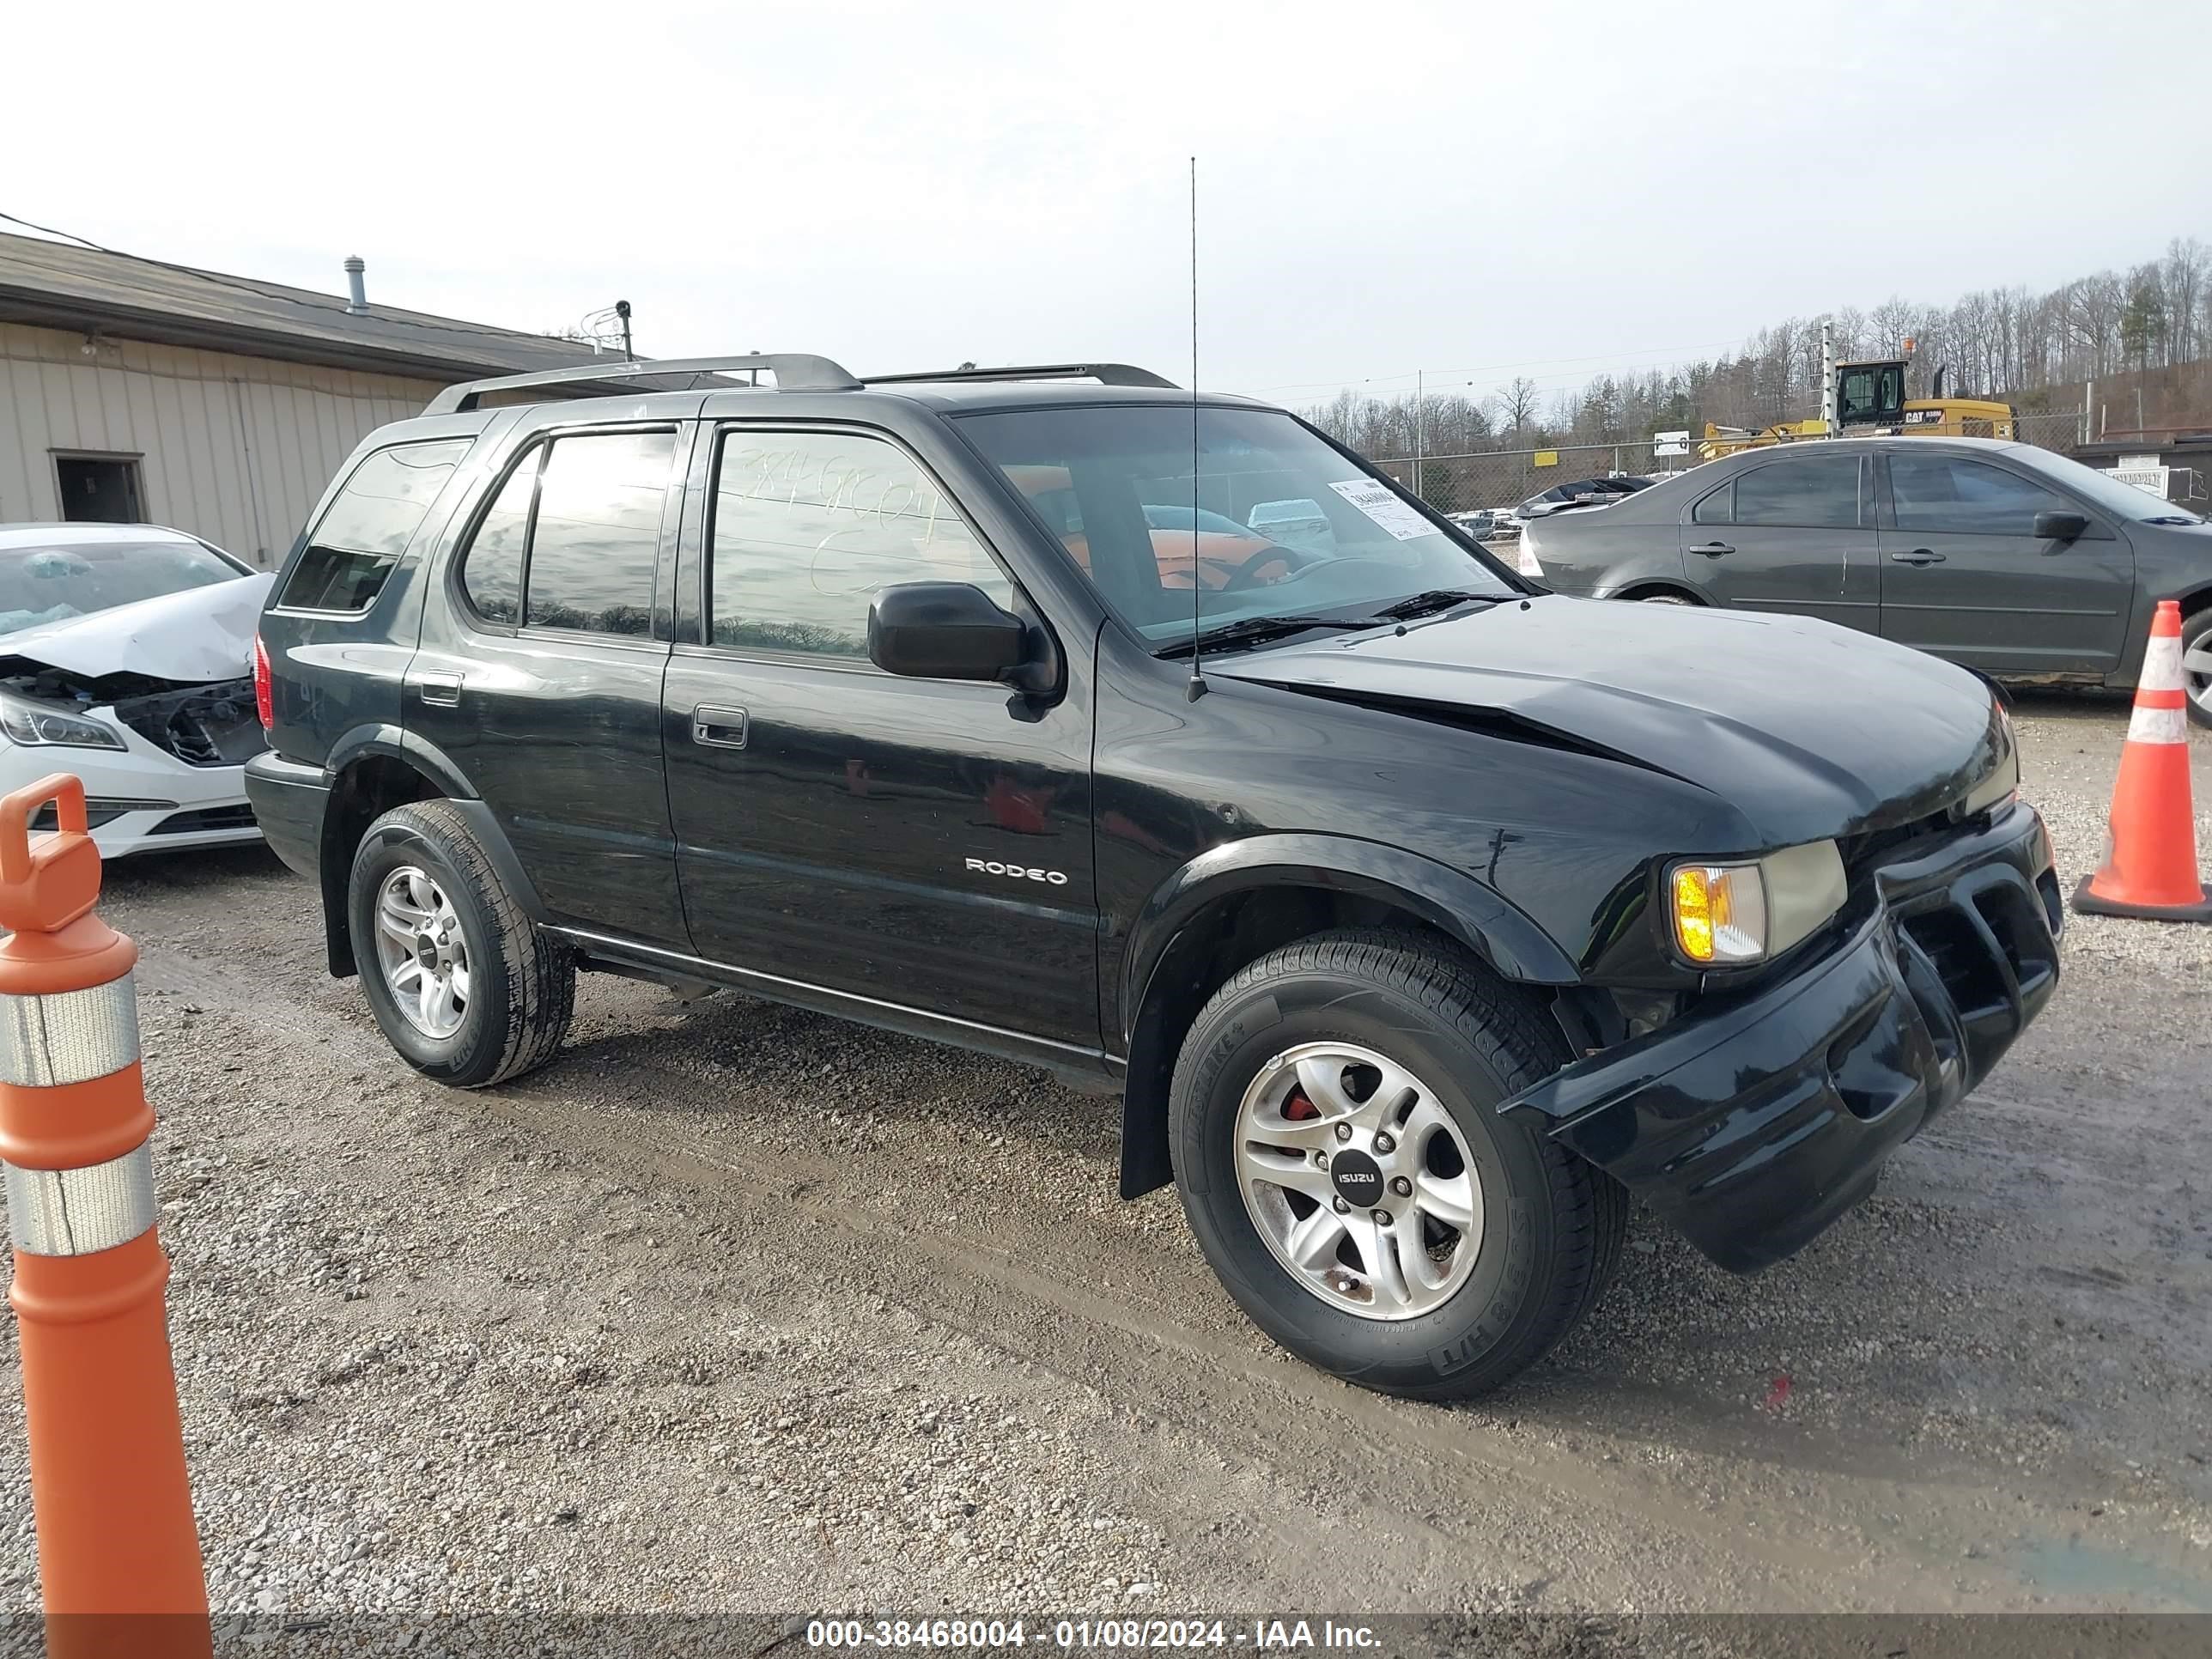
(1419, 917)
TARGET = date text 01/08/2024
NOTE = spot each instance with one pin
(1083, 1635)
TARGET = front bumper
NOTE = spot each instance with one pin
(1752, 1123)
(140, 799)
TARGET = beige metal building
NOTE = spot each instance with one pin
(132, 390)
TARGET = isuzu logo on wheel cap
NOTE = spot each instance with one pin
(1358, 1178)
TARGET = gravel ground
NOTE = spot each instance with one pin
(738, 1308)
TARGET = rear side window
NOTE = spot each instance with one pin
(492, 574)
(358, 544)
(1814, 492)
(571, 538)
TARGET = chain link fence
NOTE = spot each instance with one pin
(1501, 479)
(2058, 429)
(1498, 480)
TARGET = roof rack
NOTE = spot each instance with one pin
(1104, 374)
(794, 371)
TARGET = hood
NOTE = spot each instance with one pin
(1807, 729)
(200, 634)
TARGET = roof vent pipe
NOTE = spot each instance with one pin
(356, 290)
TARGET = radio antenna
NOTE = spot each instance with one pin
(1197, 687)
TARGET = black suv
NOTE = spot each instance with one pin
(1419, 917)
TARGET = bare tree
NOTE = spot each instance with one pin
(2031, 348)
(2090, 313)
(1517, 405)
(2187, 266)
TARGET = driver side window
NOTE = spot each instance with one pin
(1950, 493)
(808, 526)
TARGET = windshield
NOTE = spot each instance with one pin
(2123, 500)
(1286, 525)
(53, 584)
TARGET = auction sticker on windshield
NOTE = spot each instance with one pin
(1375, 501)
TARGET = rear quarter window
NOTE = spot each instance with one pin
(358, 542)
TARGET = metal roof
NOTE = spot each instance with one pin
(55, 285)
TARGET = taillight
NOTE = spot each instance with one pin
(265, 700)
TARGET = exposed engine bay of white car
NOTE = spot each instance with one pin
(177, 670)
(207, 724)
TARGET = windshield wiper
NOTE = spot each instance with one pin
(1252, 630)
(1436, 599)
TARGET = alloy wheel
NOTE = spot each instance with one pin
(1359, 1181)
(2197, 673)
(423, 952)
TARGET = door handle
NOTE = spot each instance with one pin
(1917, 556)
(1713, 549)
(718, 728)
(443, 690)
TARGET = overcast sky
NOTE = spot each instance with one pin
(1476, 190)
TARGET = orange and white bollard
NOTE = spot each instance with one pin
(2149, 868)
(119, 1558)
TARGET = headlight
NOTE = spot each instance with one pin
(2003, 781)
(1728, 915)
(34, 723)
(1525, 560)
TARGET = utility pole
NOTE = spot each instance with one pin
(2088, 407)
(1827, 379)
(1420, 428)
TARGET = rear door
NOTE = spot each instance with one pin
(341, 630)
(1792, 532)
(1963, 575)
(540, 670)
(912, 844)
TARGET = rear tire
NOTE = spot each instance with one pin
(511, 1005)
(2197, 685)
(1664, 599)
(1546, 1227)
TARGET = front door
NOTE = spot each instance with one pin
(1795, 532)
(912, 844)
(1964, 575)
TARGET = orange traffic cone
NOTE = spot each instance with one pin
(118, 1559)
(2150, 853)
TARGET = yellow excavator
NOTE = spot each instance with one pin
(1870, 403)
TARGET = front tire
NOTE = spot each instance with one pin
(462, 983)
(1365, 1063)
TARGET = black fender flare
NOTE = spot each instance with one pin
(381, 739)
(395, 742)
(1455, 903)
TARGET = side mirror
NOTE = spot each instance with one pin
(944, 631)
(2060, 527)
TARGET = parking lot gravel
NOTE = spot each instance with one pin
(735, 1307)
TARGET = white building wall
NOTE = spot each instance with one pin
(237, 449)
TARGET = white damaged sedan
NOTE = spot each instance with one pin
(126, 657)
